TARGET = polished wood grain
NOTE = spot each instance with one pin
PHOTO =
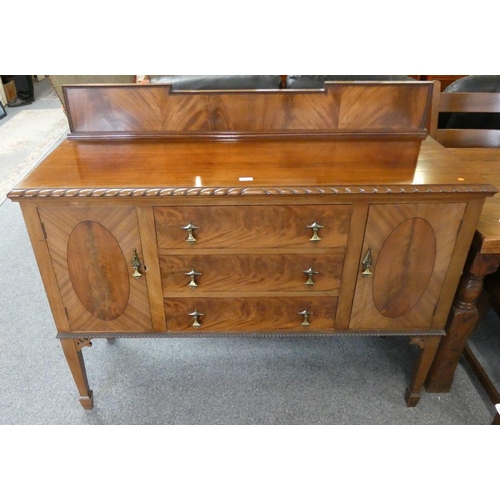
(251, 273)
(409, 264)
(250, 314)
(155, 110)
(415, 205)
(44, 261)
(485, 162)
(152, 170)
(415, 267)
(98, 268)
(253, 227)
(147, 230)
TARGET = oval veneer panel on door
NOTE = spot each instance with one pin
(98, 270)
(404, 267)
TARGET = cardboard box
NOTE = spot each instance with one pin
(10, 91)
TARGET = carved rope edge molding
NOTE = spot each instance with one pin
(249, 191)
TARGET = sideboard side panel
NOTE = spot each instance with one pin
(42, 255)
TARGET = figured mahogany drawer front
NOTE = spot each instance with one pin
(198, 274)
(235, 227)
(250, 314)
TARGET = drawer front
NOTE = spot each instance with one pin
(252, 226)
(250, 273)
(250, 314)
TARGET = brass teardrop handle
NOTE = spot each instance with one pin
(310, 273)
(195, 315)
(192, 274)
(367, 263)
(315, 228)
(190, 228)
(305, 313)
(136, 265)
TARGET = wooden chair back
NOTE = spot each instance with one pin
(467, 102)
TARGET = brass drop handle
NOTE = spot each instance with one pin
(315, 228)
(189, 228)
(192, 274)
(305, 313)
(136, 265)
(367, 263)
(310, 273)
(195, 314)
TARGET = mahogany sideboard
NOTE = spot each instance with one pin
(284, 213)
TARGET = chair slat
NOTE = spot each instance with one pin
(468, 138)
(469, 102)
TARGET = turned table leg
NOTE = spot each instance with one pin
(72, 350)
(462, 320)
(428, 346)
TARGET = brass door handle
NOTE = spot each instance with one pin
(136, 265)
(367, 263)
(315, 228)
(310, 273)
(305, 313)
(195, 315)
(189, 228)
(192, 274)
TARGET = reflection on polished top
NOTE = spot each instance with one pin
(247, 165)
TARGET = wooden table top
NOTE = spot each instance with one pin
(132, 165)
(486, 162)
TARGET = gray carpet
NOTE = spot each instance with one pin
(358, 380)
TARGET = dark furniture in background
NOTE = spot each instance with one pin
(469, 125)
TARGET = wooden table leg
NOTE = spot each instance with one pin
(72, 350)
(461, 321)
(428, 346)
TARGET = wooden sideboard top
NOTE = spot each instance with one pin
(150, 168)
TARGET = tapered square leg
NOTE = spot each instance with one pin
(428, 346)
(72, 351)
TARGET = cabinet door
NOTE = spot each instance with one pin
(92, 251)
(409, 247)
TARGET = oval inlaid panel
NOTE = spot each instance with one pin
(404, 267)
(98, 270)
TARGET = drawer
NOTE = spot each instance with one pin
(250, 273)
(250, 314)
(252, 226)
